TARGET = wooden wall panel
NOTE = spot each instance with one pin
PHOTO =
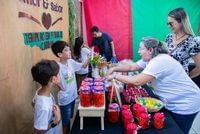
(16, 59)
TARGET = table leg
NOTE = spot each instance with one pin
(102, 123)
(81, 123)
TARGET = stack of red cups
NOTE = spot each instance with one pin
(125, 107)
(138, 109)
(144, 120)
(127, 117)
(158, 120)
(131, 128)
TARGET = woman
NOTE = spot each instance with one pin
(168, 78)
(181, 43)
(81, 52)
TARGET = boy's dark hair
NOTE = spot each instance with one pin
(77, 46)
(58, 47)
(44, 70)
(94, 29)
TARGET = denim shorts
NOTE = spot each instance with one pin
(67, 113)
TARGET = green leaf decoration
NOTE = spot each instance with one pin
(72, 24)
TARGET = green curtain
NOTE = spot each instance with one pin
(72, 23)
(149, 18)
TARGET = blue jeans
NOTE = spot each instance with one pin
(67, 112)
(184, 121)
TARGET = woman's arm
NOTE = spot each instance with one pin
(137, 80)
(196, 71)
(124, 68)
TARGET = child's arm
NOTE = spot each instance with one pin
(36, 131)
(52, 125)
(55, 122)
(56, 111)
(86, 63)
(85, 45)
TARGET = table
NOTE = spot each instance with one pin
(170, 125)
(93, 126)
(91, 111)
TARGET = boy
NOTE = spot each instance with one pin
(46, 112)
(68, 93)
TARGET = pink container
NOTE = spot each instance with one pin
(127, 118)
(131, 128)
(158, 120)
(144, 120)
(125, 107)
(125, 112)
(138, 109)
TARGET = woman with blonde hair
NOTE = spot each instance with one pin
(181, 43)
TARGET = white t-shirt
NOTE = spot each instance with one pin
(84, 56)
(173, 85)
(68, 92)
(142, 63)
(43, 114)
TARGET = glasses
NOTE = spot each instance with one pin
(140, 49)
(169, 24)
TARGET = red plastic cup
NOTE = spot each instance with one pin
(144, 120)
(158, 120)
(131, 128)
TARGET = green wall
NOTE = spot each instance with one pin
(149, 18)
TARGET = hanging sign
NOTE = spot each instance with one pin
(42, 39)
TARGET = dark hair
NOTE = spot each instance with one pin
(77, 46)
(44, 70)
(94, 29)
(58, 47)
(157, 46)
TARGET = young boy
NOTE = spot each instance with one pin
(46, 112)
(68, 93)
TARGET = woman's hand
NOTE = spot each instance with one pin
(110, 71)
(85, 45)
(110, 77)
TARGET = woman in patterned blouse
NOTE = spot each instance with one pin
(181, 43)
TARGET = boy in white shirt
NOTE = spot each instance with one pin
(46, 112)
(68, 93)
